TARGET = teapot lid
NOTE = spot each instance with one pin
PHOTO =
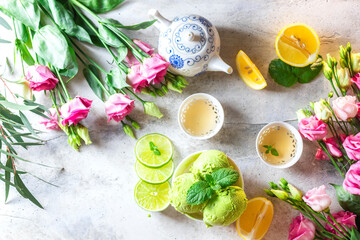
(190, 35)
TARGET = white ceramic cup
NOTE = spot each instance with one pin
(215, 103)
(299, 144)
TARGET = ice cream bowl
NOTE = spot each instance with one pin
(209, 115)
(289, 142)
(184, 167)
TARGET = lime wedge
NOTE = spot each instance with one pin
(155, 175)
(154, 150)
(154, 198)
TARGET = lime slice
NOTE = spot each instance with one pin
(155, 175)
(154, 198)
(154, 150)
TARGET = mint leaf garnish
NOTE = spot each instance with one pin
(199, 193)
(287, 75)
(154, 148)
(225, 177)
(274, 152)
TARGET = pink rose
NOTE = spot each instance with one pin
(301, 229)
(356, 79)
(155, 68)
(321, 155)
(345, 107)
(75, 110)
(352, 146)
(118, 106)
(53, 122)
(345, 218)
(40, 78)
(332, 147)
(136, 79)
(352, 179)
(317, 199)
(130, 59)
(312, 128)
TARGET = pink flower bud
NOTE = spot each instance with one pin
(136, 79)
(352, 179)
(301, 228)
(53, 122)
(317, 199)
(345, 107)
(312, 128)
(75, 110)
(130, 59)
(118, 106)
(352, 146)
(40, 78)
(155, 68)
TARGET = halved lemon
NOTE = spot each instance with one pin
(249, 73)
(297, 45)
(256, 219)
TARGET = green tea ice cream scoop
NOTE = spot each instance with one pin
(225, 207)
(208, 162)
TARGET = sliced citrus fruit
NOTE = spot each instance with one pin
(154, 198)
(249, 72)
(297, 45)
(154, 150)
(155, 175)
(256, 219)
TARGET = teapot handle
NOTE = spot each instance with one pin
(161, 23)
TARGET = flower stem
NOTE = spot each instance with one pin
(339, 225)
(138, 98)
(331, 158)
(62, 84)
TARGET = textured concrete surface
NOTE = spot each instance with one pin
(94, 199)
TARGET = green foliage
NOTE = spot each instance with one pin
(286, 75)
(109, 37)
(4, 23)
(92, 76)
(115, 80)
(101, 6)
(25, 11)
(347, 201)
(199, 193)
(135, 27)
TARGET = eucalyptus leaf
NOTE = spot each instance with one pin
(4, 23)
(7, 177)
(135, 27)
(347, 201)
(109, 37)
(27, 123)
(16, 106)
(50, 44)
(4, 41)
(92, 76)
(22, 189)
(101, 6)
(26, 11)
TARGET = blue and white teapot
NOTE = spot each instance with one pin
(191, 44)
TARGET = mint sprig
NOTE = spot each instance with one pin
(154, 148)
(271, 149)
(203, 190)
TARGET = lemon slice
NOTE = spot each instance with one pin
(297, 45)
(256, 219)
(155, 175)
(249, 72)
(154, 198)
(154, 150)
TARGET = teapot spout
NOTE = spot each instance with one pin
(216, 64)
(161, 23)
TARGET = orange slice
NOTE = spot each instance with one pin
(297, 45)
(256, 219)
(249, 72)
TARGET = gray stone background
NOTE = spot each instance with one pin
(95, 200)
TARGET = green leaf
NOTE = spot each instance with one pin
(50, 44)
(282, 73)
(24, 52)
(4, 23)
(199, 193)
(347, 201)
(152, 146)
(4, 41)
(122, 53)
(135, 27)
(274, 152)
(115, 79)
(71, 70)
(16, 106)
(21, 31)
(354, 234)
(27, 123)
(7, 177)
(308, 73)
(287, 75)
(26, 11)
(92, 76)
(109, 37)
(101, 6)
(225, 177)
(22, 189)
